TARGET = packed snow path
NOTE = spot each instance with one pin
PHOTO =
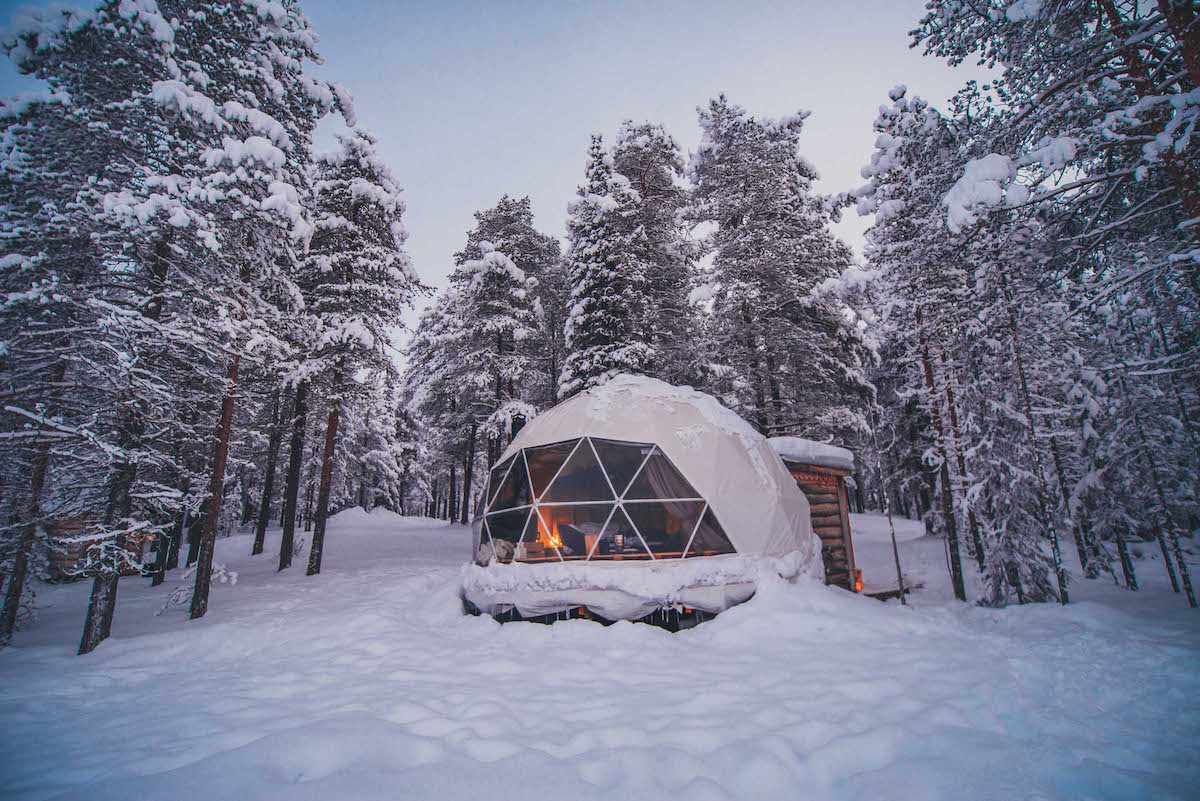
(366, 683)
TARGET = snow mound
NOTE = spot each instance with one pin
(367, 683)
(806, 451)
(614, 591)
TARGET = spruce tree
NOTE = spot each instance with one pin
(604, 329)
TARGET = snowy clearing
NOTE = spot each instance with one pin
(367, 683)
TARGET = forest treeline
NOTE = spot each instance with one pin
(202, 317)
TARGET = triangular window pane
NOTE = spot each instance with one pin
(545, 461)
(483, 547)
(515, 489)
(621, 460)
(667, 526)
(660, 479)
(536, 544)
(620, 540)
(710, 538)
(506, 529)
(580, 479)
(497, 478)
(572, 529)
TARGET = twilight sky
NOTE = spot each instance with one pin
(471, 100)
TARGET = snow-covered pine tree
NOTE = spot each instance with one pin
(923, 284)
(357, 281)
(106, 61)
(650, 159)
(171, 101)
(1094, 113)
(508, 227)
(949, 321)
(448, 395)
(605, 333)
(788, 357)
(492, 347)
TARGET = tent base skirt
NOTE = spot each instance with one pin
(605, 604)
(672, 618)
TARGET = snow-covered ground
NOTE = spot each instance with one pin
(367, 683)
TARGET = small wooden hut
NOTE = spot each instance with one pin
(821, 471)
(69, 542)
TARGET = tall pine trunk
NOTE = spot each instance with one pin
(468, 476)
(1060, 570)
(331, 427)
(308, 490)
(291, 490)
(102, 604)
(264, 510)
(960, 460)
(16, 579)
(97, 625)
(939, 436)
(216, 485)
(760, 403)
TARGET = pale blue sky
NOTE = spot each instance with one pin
(474, 99)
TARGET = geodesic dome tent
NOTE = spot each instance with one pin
(631, 497)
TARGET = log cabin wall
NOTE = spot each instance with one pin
(68, 548)
(828, 500)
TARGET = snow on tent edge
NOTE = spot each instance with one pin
(806, 451)
(755, 499)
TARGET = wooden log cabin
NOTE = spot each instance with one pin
(821, 471)
(68, 547)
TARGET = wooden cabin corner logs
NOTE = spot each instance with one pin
(68, 548)
(829, 506)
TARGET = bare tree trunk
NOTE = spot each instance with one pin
(956, 573)
(102, 604)
(1126, 563)
(16, 579)
(308, 490)
(195, 528)
(453, 505)
(208, 538)
(169, 549)
(97, 626)
(292, 488)
(331, 427)
(15, 586)
(264, 509)
(177, 539)
(468, 476)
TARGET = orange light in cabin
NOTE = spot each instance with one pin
(548, 537)
(858, 585)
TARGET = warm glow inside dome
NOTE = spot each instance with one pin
(594, 499)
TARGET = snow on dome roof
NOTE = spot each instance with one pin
(730, 465)
(806, 451)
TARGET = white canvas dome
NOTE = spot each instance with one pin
(632, 496)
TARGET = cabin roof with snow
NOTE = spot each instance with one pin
(806, 451)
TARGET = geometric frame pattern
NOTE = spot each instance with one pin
(594, 499)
